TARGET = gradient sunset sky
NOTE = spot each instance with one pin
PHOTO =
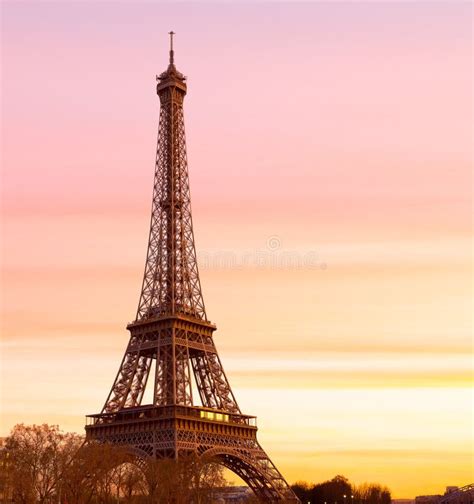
(330, 159)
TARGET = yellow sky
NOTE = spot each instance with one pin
(338, 362)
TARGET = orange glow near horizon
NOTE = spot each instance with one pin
(330, 163)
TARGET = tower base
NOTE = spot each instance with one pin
(175, 431)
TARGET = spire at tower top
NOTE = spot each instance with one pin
(171, 76)
(171, 33)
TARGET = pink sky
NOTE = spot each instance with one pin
(335, 134)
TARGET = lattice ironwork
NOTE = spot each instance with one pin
(171, 282)
(463, 494)
(171, 345)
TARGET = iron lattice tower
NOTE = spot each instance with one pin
(172, 336)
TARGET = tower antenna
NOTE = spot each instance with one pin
(171, 33)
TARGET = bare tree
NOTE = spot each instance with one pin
(207, 478)
(189, 479)
(38, 457)
(94, 474)
(130, 481)
(42, 465)
(372, 493)
(335, 489)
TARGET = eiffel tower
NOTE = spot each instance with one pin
(171, 340)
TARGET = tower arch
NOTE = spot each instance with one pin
(259, 477)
